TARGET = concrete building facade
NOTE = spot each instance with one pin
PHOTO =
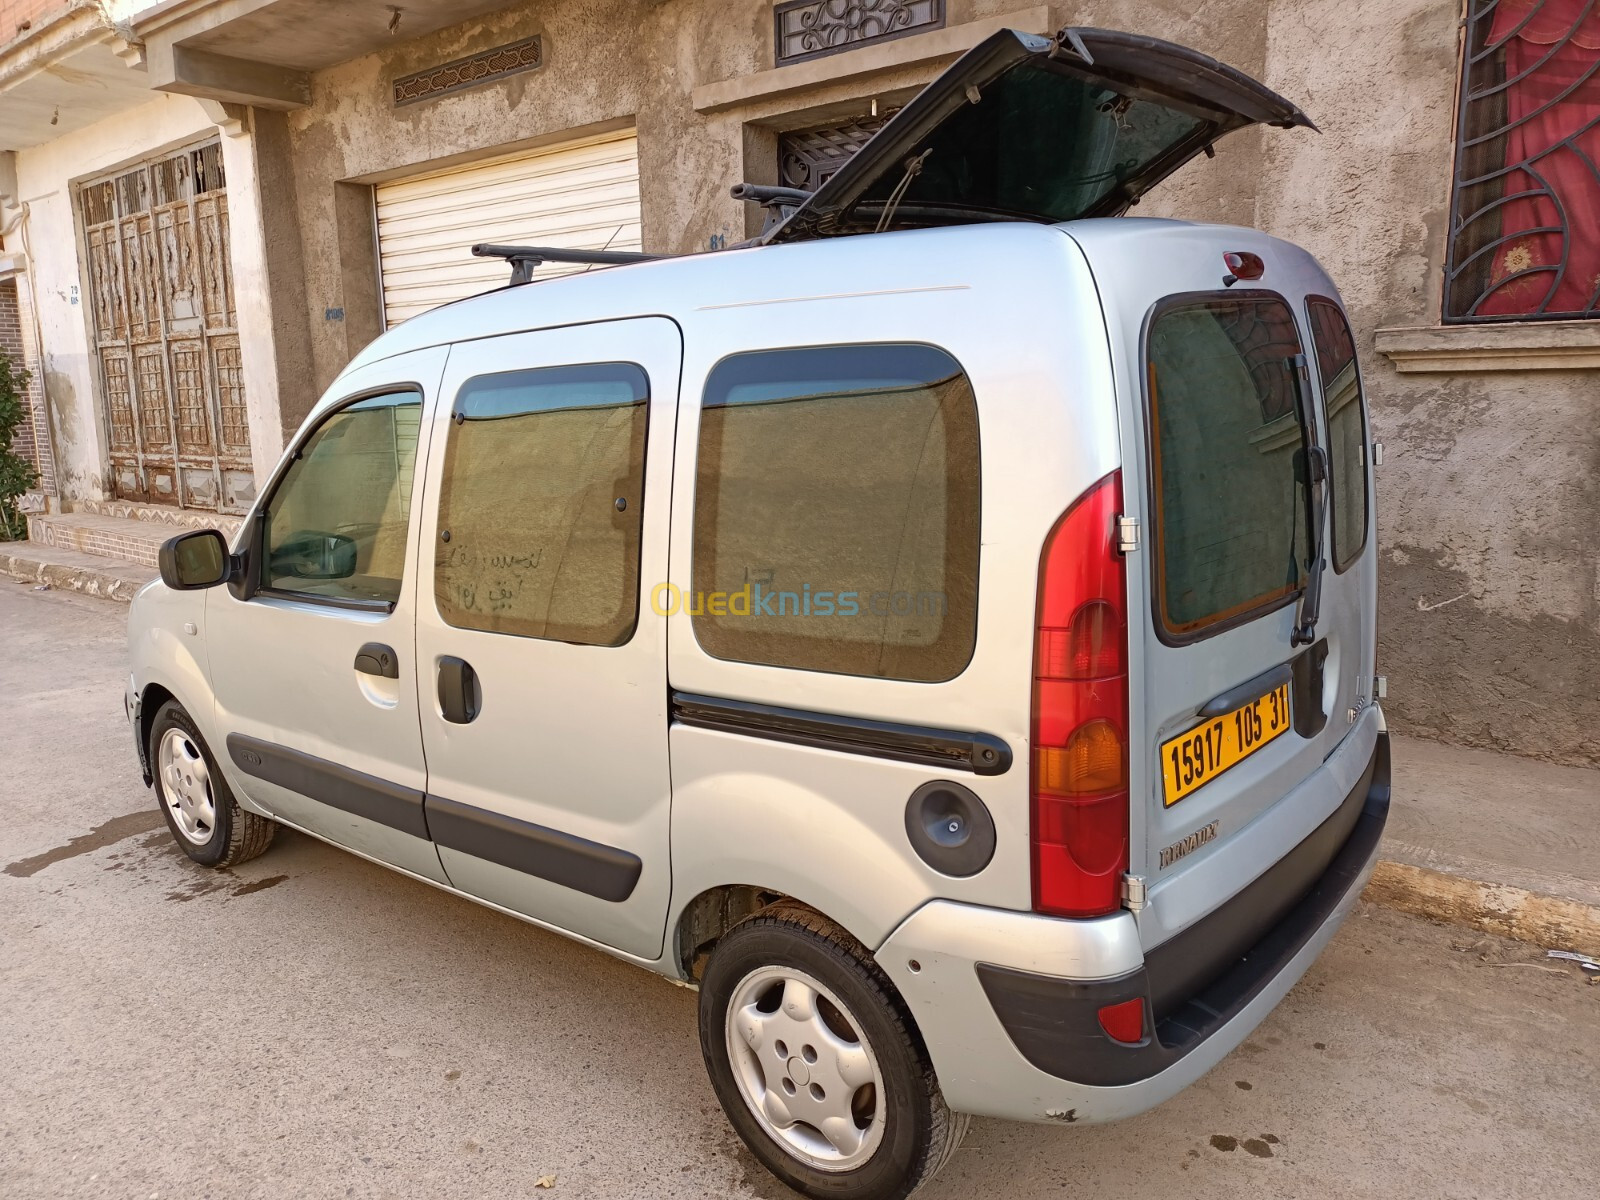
(365, 146)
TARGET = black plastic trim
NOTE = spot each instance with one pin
(1306, 690)
(589, 867)
(375, 658)
(1251, 690)
(976, 752)
(1196, 982)
(950, 828)
(331, 783)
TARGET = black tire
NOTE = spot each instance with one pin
(237, 835)
(920, 1134)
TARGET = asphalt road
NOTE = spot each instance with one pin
(310, 1025)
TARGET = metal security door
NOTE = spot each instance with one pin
(166, 335)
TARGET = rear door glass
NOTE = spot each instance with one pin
(1347, 429)
(540, 504)
(836, 518)
(1228, 459)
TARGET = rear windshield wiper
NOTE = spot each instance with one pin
(1316, 484)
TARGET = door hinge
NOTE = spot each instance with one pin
(1376, 455)
(1133, 892)
(1127, 534)
(1380, 687)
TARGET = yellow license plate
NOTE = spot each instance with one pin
(1194, 758)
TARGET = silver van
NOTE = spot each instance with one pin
(941, 630)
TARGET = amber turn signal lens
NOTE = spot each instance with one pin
(1092, 762)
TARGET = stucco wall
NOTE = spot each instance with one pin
(608, 63)
(1490, 594)
(1489, 497)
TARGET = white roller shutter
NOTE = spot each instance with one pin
(582, 195)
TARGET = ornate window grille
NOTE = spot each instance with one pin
(1525, 219)
(808, 158)
(811, 28)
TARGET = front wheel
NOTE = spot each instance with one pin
(205, 820)
(816, 1062)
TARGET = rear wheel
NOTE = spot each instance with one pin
(205, 819)
(817, 1064)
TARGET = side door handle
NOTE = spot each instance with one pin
(377, 659)
(458, 690)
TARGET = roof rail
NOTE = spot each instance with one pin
(525, 259)
(780, 202)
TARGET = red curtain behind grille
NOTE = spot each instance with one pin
(1565, 36)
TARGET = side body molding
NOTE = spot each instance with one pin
(331, 783)
(589, 867)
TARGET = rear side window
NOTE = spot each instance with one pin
(836, 512)
(1347, 429)
(540, 505)
(1228, 459)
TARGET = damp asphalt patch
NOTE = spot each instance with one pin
(109, 834)
(259, 885)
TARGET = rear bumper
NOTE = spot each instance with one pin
(1012, 1025)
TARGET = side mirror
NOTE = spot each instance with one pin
(195, 560)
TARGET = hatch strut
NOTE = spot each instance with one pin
(525, 259)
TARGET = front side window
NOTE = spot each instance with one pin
(1347, 429)
(836, 512)
(1228, 451)
(541, 502)
(1527, 194)
(336, 525)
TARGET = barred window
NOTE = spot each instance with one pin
(1527, 197)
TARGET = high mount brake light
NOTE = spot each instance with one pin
(1244, 266)
(1080, 712)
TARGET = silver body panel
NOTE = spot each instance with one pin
(980, 1069)
(1045, 321)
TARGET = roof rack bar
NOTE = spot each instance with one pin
(768, 196)
(525, 259)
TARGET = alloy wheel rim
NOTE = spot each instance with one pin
(186, 786)
(804, 1068)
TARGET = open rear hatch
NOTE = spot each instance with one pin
(1028, 128)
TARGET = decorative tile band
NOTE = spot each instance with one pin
(471, 71)
(810, 28)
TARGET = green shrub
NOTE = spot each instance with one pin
(16, 473)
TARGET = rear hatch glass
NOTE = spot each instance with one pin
(1228, 459)
(1038, 129)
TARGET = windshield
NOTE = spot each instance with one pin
(1040, 144)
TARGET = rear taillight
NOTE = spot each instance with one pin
(1080, 712)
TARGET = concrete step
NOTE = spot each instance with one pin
(122, 538)
(178, 519)
(74, 571)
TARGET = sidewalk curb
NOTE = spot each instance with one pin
(108, 584)
(1551, 922)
